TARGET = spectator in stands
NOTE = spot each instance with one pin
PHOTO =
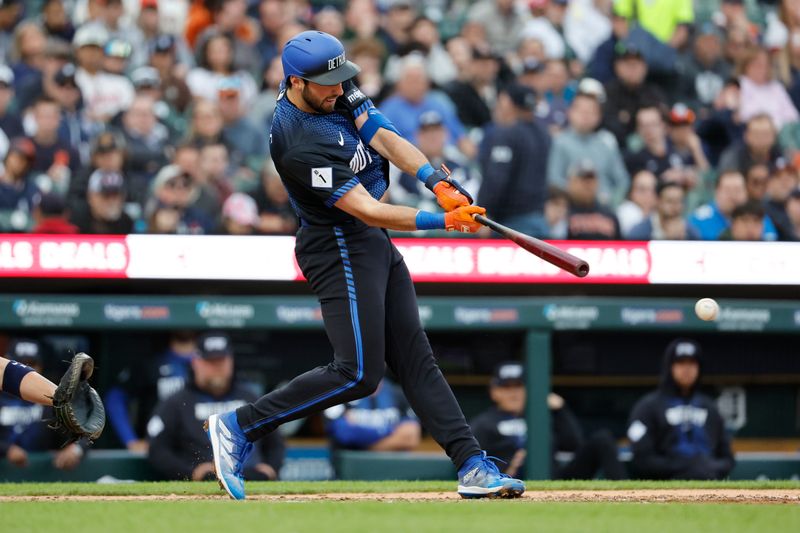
(275, 213)
(670, 21)
(588, 218)
(380, 422)
(779, 187)
(23, 425)
(755, 181)
(424, 39)
(668, 221)
(57, 54)
(502, 431)
(547, 26)
(704, 71)
(10, 13)
(130, 401)
(712, 219)
(172, 209)
(117, 52)
(513, 163)
(247, 140)
(395, 23)
(56, 161)
(179, 447)
(213, 177)
(106, 200)
(230, 18)
(163, 58)
(793, 210)
(761, 93)
(640, 202)
(239, 215)
(503, 23)
(273, 15)
(64, 90)
(432, 142)
(215, 61)
(50, 215)
(17, 189)
(104, 94)
(413, 96)
(628, 92)
(675, 431)
(10, 122)
(27, 58)
(759, 145)
(147, 144)
(107, 154)
(582, 139)
(475, 92)
(556, 209)
(55, 21)
(747, 223)
(206, 124)
(147, 82)
(657, 154)
(723, 126)
(555, 101)
(686, 143)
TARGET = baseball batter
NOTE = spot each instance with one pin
(331, 147)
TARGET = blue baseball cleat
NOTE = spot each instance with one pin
(230, 448)
(479, 477)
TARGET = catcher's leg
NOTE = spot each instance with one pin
(24, 382)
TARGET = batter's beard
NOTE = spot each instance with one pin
(316, 105)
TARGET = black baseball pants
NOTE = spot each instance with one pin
(369, 308)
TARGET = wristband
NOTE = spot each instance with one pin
(428, 220)
(424, 172)
(375, 121)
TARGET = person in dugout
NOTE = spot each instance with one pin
(503, 431)
(179, 448)
(675, 431)
(24, 425)
(381, 422)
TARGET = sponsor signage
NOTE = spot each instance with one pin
(571, 316)
(225, 314)
(299, 314)
(33, 312)
(485, 315)
(636, 316)
(135, 313)
(743, 318)
(429, 260)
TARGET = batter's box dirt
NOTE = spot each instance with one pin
(773, 496)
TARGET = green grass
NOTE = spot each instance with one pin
(400, 517)
(457, 516)
(311, 487)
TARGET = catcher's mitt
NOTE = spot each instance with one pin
(79, 412)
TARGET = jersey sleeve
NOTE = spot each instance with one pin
(318, 171)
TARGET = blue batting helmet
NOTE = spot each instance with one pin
(317, 56)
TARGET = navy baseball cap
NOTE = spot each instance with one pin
(164, 43)
(25, 351)
(683, 349)
(508, 374)
(318, 57)
(430, 118)
(213, 345)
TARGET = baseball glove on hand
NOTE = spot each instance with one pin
(78, 408)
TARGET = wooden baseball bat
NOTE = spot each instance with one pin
(539, 248)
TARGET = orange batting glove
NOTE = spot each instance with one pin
(460, 219)
(449, 193)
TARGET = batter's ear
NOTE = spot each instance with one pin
(296, 81)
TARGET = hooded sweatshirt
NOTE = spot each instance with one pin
(678, 436)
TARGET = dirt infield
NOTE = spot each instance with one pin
(773, 496)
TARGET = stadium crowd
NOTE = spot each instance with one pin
(635, 119)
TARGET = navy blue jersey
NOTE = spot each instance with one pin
(319, 158)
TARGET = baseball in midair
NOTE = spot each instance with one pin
(706, 309)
